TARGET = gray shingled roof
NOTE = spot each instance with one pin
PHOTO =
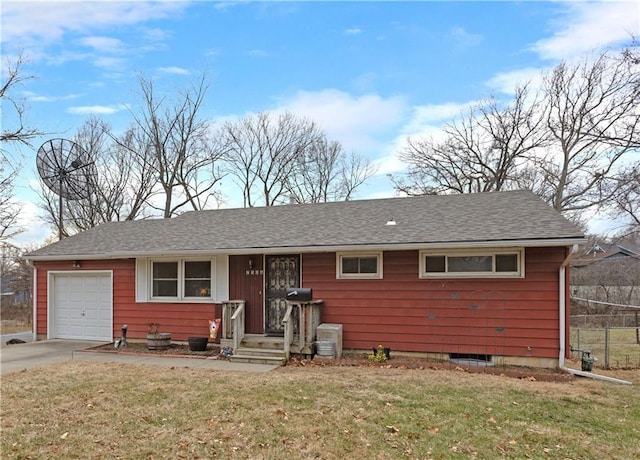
(514, 217)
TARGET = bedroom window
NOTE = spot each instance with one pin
(501, 263)
(359, 266)
(181, 279)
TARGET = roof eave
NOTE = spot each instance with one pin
(545, 242)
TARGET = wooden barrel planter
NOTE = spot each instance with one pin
(198, 343)
(159, 341)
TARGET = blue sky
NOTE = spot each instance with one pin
(369, 73)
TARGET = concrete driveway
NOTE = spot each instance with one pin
(15, 358)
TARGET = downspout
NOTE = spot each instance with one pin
(563, 310)
(34, 297)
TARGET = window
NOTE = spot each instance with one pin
(359, 266)
(501, 263)
(181, 279)
(165, 279)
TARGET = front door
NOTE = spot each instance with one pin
(246, 282)
(281, 272)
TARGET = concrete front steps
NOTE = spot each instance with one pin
(260, 349)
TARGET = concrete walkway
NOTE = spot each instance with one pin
(16, 358)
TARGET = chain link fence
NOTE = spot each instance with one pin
(613, 347)
(601, 321)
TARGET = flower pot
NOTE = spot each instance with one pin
(159, 341)
(198, 343)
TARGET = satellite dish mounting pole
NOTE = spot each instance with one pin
(60, 211)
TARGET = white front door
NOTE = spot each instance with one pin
(81, 306)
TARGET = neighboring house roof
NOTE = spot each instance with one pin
(470, 220)
(604, 252)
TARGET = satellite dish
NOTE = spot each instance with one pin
(67, 169)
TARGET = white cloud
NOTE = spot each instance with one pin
(103, 44)
(257, 53)
(109, 63)
(426, 121)
(585, 26)
(353, 31)
(359, 123)
(506, 82)
(34, 26)
(464, 39)
(94, 109)
(426, 117)
(36, 231)
(33, 97)
(174, 70)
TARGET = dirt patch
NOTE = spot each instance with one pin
(175, 349)
(407, 362)
(358, 360)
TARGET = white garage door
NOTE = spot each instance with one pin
(82, 306)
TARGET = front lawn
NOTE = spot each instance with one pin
(83, 409)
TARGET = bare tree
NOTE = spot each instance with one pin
(481, 152)
(324, 172)
(261, 154)
(16, 273)
(632, 52)
(355, 170)
(592, 120)
(17, 133)
(9, 209)
(626, 199)
(612, 280)
(177, 146)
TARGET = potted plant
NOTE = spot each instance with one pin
(198, 343)
(157, 340)
(380, 354)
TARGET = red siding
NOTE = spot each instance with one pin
(181, 319)
(509, 317)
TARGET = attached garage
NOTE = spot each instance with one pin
(81, 305)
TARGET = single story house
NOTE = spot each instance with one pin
(477, 275)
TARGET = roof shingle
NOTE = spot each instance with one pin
(472, 219)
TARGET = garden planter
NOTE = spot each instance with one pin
(198, 343)
(387, 352)
(159, 341)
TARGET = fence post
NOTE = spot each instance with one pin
(606, 346)
(637, 329)
(578, 338)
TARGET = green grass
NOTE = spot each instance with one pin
(94, 410)
(624, 351)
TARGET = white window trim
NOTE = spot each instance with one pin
(359, 276)
(472, 252)
(181, 279)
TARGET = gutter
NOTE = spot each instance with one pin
(563, 310)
